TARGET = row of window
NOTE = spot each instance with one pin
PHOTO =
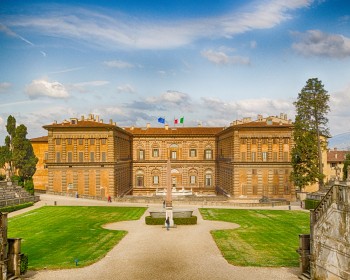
(81, 141)
(264, 156)
(254, 141)
(192, 180)
(208, 154)
(80, 158)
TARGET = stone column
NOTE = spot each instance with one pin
(14, 256)
(168, 200)
(3, 246)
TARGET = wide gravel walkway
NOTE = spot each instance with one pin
(152, 252)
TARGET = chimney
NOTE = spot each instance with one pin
(260, 117)
(132, 128)
(199, 125)
(55, 122)
(285, 117)
(281, 116)
(97, 118)
(82, 118)
(335, 149)
(110, 121)
(101, 120)
(166, 127)
(148, 125)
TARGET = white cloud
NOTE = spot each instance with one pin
(4, 86)
(38, 88)
(86, 86)
(118, 64)
(318, 43)
(126, 89)
(222, 58)
(171, 98)
(116, 31)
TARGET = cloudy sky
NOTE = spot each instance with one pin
(210, 62)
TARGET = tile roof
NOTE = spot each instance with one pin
(175, 130)
(40, 139)
(81, 124)
(336, 156)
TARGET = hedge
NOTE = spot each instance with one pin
(311, 203)
(13, 208)
(177, 221)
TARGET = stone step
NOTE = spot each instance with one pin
(305, 276)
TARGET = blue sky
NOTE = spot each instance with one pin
(134, 61)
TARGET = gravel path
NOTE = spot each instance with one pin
(152, 252)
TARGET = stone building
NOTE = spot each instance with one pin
(254, 158)
(89, 158)
(335, 163)
(40, 147)
(249, 159)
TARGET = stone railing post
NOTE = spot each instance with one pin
(14, 256)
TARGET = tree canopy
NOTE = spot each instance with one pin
(346, 165)
(310, 134)
(17, 155)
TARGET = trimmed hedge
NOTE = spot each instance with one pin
(13, 208)
(311, 203)
(177, 221)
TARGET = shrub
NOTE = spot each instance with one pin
(177, 221)
(311, 203)
(29, 186)
(24, 264)
(13, 208)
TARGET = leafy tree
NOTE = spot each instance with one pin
(23, 155)
(310, 134)
(345, 167)
(17, 153)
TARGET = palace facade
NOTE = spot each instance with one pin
(249, 159)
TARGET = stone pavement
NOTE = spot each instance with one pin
(151, 252)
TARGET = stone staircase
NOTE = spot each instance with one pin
(305, 276)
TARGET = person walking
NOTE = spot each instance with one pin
(167, 222)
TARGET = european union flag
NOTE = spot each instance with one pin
(161, 120)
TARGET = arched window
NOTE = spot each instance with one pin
(208, 178)
(139, 178)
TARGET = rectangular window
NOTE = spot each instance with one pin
(69, 141)
(208, 154)
(92, 156)
(253, 156)
(141, 154)
(81, 156)
(254, 141)
(193, 152)
(264, 156)
(285, 156)
(254, 171)
(243, 141)
(58, 141)
(275, 156)
(275, 141)
(103, 141)
(58, 157)
(103, 156)
(243, 156)
(80, 141)
(208, 180)
(46, 156)
(155, 152)
(173, 155)
(286, 140)
(156, 180)
(192, 179)
(264, 140)
(69, 156)
(275, 171)
(92, 141)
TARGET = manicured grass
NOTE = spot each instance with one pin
(266, 238)
(55, 236)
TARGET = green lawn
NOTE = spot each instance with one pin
(266, 238)
(54, 236)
